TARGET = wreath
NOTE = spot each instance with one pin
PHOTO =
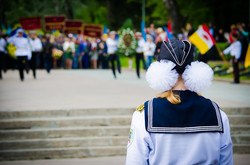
(127, 42)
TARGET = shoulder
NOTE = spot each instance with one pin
(140, 108)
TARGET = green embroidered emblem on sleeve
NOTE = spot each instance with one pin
(140, 108)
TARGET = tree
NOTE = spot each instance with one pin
(175, 16)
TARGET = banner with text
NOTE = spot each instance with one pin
(92, 30)
(54, 22)
(30, 23)
(74, 27)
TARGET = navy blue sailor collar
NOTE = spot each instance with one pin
(194, 114)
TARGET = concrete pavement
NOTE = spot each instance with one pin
(82, 89)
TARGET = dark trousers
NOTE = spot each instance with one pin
(236, 71)
(33, 62)
(22, 64)
(48, 62)
(138, 58)
(85, 61)
(2, 63)
(112, 59)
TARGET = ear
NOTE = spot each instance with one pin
(198, 76)
(161, 76)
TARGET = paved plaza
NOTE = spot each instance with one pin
(83, 89)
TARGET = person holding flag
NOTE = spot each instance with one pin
(235, 50)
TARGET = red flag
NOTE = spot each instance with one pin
(169, 26)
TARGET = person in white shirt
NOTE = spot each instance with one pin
(112, 48)
(139, 53)
(149, 49)
(2, 55)
(69, 51)
(23, 51)
(179, 126)
(36, 48)
(235, 50)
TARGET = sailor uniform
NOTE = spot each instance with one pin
(112, 48)
(196, 131)
(2, 56)
(140, 56)
(36, 47)
(23, 52)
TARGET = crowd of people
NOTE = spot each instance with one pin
(71, 51)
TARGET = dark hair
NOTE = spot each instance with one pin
(235, 35)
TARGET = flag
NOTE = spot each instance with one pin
(202, 39)
(143, 30)
(169, 26)
(247, 59)
(105, 29)
(169, 35)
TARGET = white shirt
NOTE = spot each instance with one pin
(36, 44)
(112, 45)
(178, 149)
(140, 47)
(2, 45)
(149, 49)
(234, 49)
(67, 45)
(22, 46)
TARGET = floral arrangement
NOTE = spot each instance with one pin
(11, 50)
(56, 53)
(127, 42)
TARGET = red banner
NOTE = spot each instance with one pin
(54, 22)
(74, 27)
(93, 30)
(30, 23)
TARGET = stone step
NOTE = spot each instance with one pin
(240, 129)
(81, 152)
(93, 112)
(41, 133)
(239, 119)
(236, 111)
(241, 149)
(85, 142)
(65, 113)
(64, 142)
(56, 153)
(56, 122)
(241, 139)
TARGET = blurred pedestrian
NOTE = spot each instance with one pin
(69, 51)
(112, 48)
(23, 51)
(235, 51)
(139, 53)
(36, 48)
(3, 45)
(149, 49)
(94, 53)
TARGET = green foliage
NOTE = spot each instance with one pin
(114, 12)
(128, 24)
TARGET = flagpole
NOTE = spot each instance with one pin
(222, 56)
